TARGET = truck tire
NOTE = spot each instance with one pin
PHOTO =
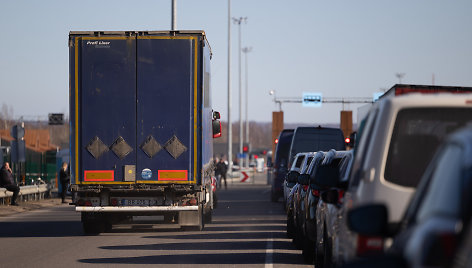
(207, 217)
(93, 224)
(92, 227)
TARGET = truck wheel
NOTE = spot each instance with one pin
(92, 227)
(215, 200)
(207, 217)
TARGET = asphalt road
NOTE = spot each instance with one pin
(247, 231)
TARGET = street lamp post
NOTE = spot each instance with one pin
(174, 15)
(246, 50)
(230, 126)
(238, 21)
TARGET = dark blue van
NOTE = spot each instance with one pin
(314, 139)
(280, 166)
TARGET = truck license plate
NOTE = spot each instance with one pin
(135, 202)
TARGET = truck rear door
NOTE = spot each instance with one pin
(167, 103)
(106, 75)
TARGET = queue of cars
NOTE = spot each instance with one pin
(347, 206)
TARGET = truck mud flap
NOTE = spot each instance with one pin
(192, 218)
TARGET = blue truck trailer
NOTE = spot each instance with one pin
(141, 127)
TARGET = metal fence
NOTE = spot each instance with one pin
(27, 193)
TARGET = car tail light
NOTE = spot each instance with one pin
(114, 202)
(368, 245)
(340, 196)
(88, 203)
(315, 193)
(448, 243)
(193, 202)
(305, 188)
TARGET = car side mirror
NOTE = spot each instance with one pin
(369, 220)
(330, 196)
(292, 176)
(216, 115)
(326, 176)
(304, 179)
(216, 124)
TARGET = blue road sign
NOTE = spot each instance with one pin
(243, 155)
(312, 99)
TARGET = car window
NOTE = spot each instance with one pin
(299, 161)
(416, 135)
(344, 165)
(308, 161)
(363, 148)
(443, 194)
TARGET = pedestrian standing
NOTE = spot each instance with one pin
(222, 169)
(65, 179)
(6, 181)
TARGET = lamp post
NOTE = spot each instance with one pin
(174, 15)
(230, 126)
(246, 50)
(400, 76)
(238, 21)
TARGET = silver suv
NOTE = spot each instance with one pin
(398, 138)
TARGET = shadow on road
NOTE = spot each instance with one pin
(217, 258)
(233, 245)
(40, 229)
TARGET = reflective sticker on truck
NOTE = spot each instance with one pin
(99, 175)
(172, 175)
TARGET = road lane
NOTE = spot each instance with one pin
(247, 230)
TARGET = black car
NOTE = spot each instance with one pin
(299, 191)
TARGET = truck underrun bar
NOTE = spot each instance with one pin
(135, 208)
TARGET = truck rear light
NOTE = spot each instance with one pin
(80, 202)
(369, 245)
(315, 193)
(193, 202)
(114, 202)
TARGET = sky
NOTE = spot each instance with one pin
(338, 48)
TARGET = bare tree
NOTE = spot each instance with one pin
(6, 116)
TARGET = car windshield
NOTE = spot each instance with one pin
(416, 136)
(309, 141)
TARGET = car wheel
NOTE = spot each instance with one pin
(273, 197)
(308, 251)
(327, 263)
(318, 259)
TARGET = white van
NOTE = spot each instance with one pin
(398, 138)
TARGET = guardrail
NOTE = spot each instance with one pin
(27, 193)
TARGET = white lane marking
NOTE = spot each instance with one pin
(269, 252)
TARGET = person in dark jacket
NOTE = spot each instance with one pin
(64, 178)
(6, 181)
(221, 170)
